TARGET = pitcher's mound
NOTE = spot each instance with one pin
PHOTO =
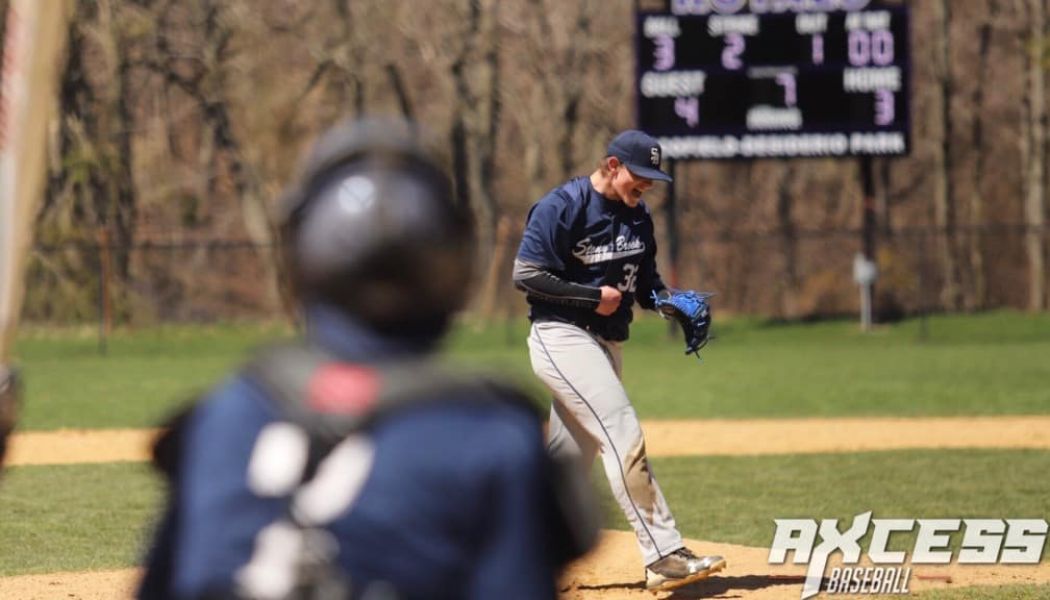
(613, 570)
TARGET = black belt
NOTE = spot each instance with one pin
(603, 332)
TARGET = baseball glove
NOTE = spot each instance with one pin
(692, 312)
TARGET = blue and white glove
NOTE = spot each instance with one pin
(692, 312)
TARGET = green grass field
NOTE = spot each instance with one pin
(735, 499)
(92, 517)
(981, 365)
(77, 517)
(1006, 592)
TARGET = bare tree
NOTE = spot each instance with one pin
(182, 120)
(564, 81)
(91, 187)
(788, 240)
(1033, 152)
(944, 187)
(476, 76)
(198, 65)
(977, 297)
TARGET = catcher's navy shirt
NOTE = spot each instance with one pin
(454, 505)
(579, 235)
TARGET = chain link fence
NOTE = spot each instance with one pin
(152, 283)
(809, 274)
(778, 274)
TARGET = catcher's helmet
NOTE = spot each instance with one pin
(371, 227)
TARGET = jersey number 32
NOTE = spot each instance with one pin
(630, 278)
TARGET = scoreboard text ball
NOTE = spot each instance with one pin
(773, 78)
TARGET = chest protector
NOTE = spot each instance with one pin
(332, 399)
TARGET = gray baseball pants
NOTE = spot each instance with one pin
(591, 414)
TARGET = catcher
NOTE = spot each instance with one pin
(588, 253)
(349, 464)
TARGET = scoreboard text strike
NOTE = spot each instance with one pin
(773, 78)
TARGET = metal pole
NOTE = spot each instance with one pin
(924, 327)
(671, 214)
(105, 317)
(868, 223)
(865, 307)
(671, 217)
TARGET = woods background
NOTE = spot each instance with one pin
(181, 120)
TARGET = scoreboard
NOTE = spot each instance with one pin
(719, 79)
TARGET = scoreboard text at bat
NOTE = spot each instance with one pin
(773, 78)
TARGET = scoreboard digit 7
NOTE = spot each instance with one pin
(773, 78)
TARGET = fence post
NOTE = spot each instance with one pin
(105, 314)
(924, 331)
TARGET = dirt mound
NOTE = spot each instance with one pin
(95, 585)
(612, 571)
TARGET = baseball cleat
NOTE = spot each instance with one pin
(679, 568)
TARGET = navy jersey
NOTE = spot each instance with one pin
(456, 504)
(580, 236)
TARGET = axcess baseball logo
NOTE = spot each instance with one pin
(984, 541)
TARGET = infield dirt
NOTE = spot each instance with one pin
(613, 571)
(610, 572)
(663, 438)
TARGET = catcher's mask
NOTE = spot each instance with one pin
(371, 227)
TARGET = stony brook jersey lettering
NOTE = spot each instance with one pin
(580, 236)
(590, 253)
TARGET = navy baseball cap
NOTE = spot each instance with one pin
(640, 152)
